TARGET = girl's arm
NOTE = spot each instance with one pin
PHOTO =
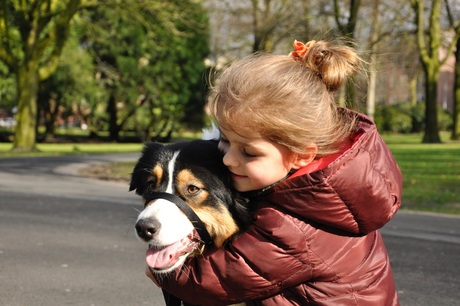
(270, 256)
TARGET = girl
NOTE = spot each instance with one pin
(321, 182)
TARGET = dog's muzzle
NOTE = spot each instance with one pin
(189, 213)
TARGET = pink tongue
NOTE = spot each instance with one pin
(168, 256)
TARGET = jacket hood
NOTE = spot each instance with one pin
(358, 192)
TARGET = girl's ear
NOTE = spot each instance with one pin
(302, 160)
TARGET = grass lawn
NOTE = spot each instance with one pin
(56, 149)
(431, 172)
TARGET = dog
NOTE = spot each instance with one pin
(190, 174)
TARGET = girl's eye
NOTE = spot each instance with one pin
(192, 189)
(248, 155)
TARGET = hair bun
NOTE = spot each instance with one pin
(333, 63)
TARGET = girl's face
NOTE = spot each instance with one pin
(254, 163)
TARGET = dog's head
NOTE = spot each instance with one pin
(193, 171)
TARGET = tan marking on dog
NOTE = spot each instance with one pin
(219, 223)
(218, 220)
(158, 173)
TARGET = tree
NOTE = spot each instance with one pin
(73, 84)
(150, 66)
(429, 41)
(118, 44)
(32, 35)
(455, 24)
(456, 110)
(373, 40)
(239, 28)
(272, 20)
(347, 26)
(387, 25)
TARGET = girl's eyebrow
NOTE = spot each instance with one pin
(247, 142)
(250, 145)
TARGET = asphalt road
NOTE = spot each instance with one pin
(68, 240)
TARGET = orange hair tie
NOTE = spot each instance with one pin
(301, 49)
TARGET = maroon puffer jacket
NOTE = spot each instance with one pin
(314, 240)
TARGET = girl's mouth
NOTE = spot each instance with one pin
(237, 176)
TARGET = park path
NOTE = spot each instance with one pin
(67, 239)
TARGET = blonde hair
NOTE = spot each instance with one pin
(288, 101)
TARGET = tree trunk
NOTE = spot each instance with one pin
(27, 89)
(431, 110)
(350, 96)
(413, 90)
(114, 129)
(48, 109)
(429, 42)
(348, 30)
(456, 107)
(371, 90)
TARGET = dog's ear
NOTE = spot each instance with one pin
(135, 183)
(144, 166)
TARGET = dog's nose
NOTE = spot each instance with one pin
(146, 229)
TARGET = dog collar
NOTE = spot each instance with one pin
(191, 215)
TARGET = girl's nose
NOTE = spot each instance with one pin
(229, 159)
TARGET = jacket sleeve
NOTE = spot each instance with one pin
(270, 256)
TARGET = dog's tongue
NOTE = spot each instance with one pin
(164, 258)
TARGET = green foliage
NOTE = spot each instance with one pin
(7, 88)
(417, 113)
(148, 58)
(150, 66)
(72, 90)
(406, 118)
(394, 118)
(445, 122)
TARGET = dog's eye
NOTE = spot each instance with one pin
(192, 189)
